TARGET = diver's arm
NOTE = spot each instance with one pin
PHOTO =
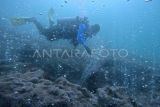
(81, 39)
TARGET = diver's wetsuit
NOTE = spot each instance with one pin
(73, 29)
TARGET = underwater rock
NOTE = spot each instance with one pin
(95, 81)
(115, 97)
(122, 73)
(31, 89)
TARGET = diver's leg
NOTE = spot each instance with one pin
(25, 20)
(38, 25)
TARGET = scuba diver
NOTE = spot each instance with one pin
(76, 29)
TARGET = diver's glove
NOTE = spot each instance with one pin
(88, 49)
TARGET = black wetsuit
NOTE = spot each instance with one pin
(66, 28)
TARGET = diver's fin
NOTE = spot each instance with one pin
(51, 14)
(21, 21)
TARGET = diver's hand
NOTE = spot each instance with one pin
(88, 50)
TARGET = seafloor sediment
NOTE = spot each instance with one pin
(31, 89)
(31, 85)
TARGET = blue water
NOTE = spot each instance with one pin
(133, 25)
